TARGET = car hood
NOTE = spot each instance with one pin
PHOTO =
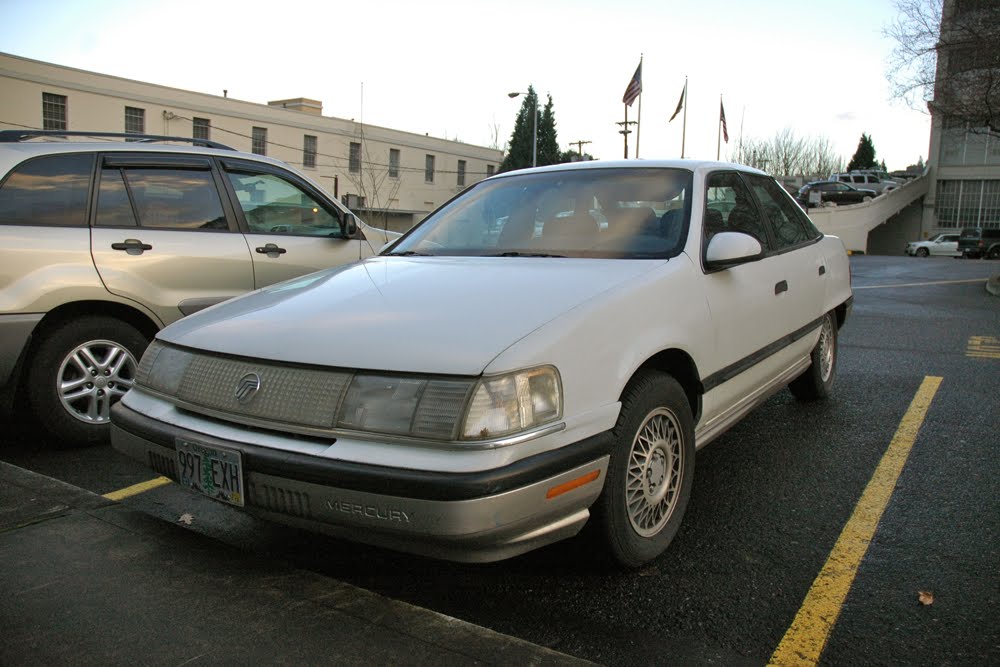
(449, 315)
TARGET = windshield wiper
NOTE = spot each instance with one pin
(514, 253)
(407, 253)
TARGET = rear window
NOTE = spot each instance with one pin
(970, 233)
(50, 190)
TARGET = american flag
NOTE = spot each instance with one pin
(634, 86)
(722, 119)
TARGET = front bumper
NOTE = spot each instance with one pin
(472, 517)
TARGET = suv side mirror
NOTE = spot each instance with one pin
(350, 225)
(727, 249)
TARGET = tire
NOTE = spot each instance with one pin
(74, 410)
(994, 252)
(637, 515)
(922, 252)
(817, 381)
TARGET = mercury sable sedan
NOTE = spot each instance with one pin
(547, 349)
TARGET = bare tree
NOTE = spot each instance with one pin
(376, 183)
(947, 60)
(786, 155)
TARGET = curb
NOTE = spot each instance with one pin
(993, 285)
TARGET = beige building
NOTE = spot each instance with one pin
(386, 176)
(964, 159)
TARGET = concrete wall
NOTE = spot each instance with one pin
(96, 102)
(854, 223)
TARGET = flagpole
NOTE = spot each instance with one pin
(638, 123)
(625, 131)
(718, 133)
(685, 128)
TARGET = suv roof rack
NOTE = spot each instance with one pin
(14, 136)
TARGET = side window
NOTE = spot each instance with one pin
(785, 216)
(730, 208)
(273, 205)
(163, 198)
(49, 191)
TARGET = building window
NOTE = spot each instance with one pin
(201, 128)
(354, 163)
(259, 142)
(309, 151)
(429, 169)
(971, 203)
(461, 173)
(393, 163)
(53, 111)
(135, 120)
(490, 170)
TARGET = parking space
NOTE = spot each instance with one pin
(907, 445)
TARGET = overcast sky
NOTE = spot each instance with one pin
(445, 67)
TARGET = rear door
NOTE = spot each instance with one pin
(291, 227)
(163, 236)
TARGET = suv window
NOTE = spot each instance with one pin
(163, 198)
(783, 214)
(49, 190)
(273, 205)
(730, 203)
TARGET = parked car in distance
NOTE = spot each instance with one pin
(867, 180)
(978, 242)
(939, 244)
(475, 393)
(833, 192)
(103, 243)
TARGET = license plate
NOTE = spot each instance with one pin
(215, 471)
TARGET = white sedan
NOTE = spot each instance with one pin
(939, 244)
(547, 349)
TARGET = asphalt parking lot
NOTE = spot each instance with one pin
(751, 576)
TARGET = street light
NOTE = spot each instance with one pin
(534, 135)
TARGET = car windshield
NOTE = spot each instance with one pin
(627, 213)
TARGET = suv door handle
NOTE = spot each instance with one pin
(781, 287)
(132, 246)
(271, 250)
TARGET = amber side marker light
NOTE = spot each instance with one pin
(572, 484)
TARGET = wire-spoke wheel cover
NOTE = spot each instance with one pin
(827, 349)
(655, 472)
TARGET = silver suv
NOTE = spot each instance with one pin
(104, 243)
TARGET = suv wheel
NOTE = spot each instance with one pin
(815, 383)
(922, 252)
(651, 470)
(79, 370)
(995, 252)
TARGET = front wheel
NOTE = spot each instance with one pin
(922, 252)
(80, 369)
(995, 253)
(651, 470)
(817, 380)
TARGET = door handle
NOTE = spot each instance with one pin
(271, 250)
(781, 287)
(132, 246)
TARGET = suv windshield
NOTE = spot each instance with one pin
(612, 213)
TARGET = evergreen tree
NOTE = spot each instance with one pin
(864, 156)
(519, 147)
(548, 145)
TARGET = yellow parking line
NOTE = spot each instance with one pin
(804, 641)
(136, 489)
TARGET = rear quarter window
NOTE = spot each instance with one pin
(50, 190)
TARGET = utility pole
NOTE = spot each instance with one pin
(579, 146)
(625, 131)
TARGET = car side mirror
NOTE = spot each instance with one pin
(350, 225)
(727, 249)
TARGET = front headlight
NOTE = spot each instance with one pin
(506, 404)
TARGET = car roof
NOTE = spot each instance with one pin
(698, 166)
(16, 152)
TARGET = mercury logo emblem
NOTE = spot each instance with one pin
(247, 387)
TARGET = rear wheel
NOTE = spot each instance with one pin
(817, 381)
(995, 252)
(651, 470)
(80, 369)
